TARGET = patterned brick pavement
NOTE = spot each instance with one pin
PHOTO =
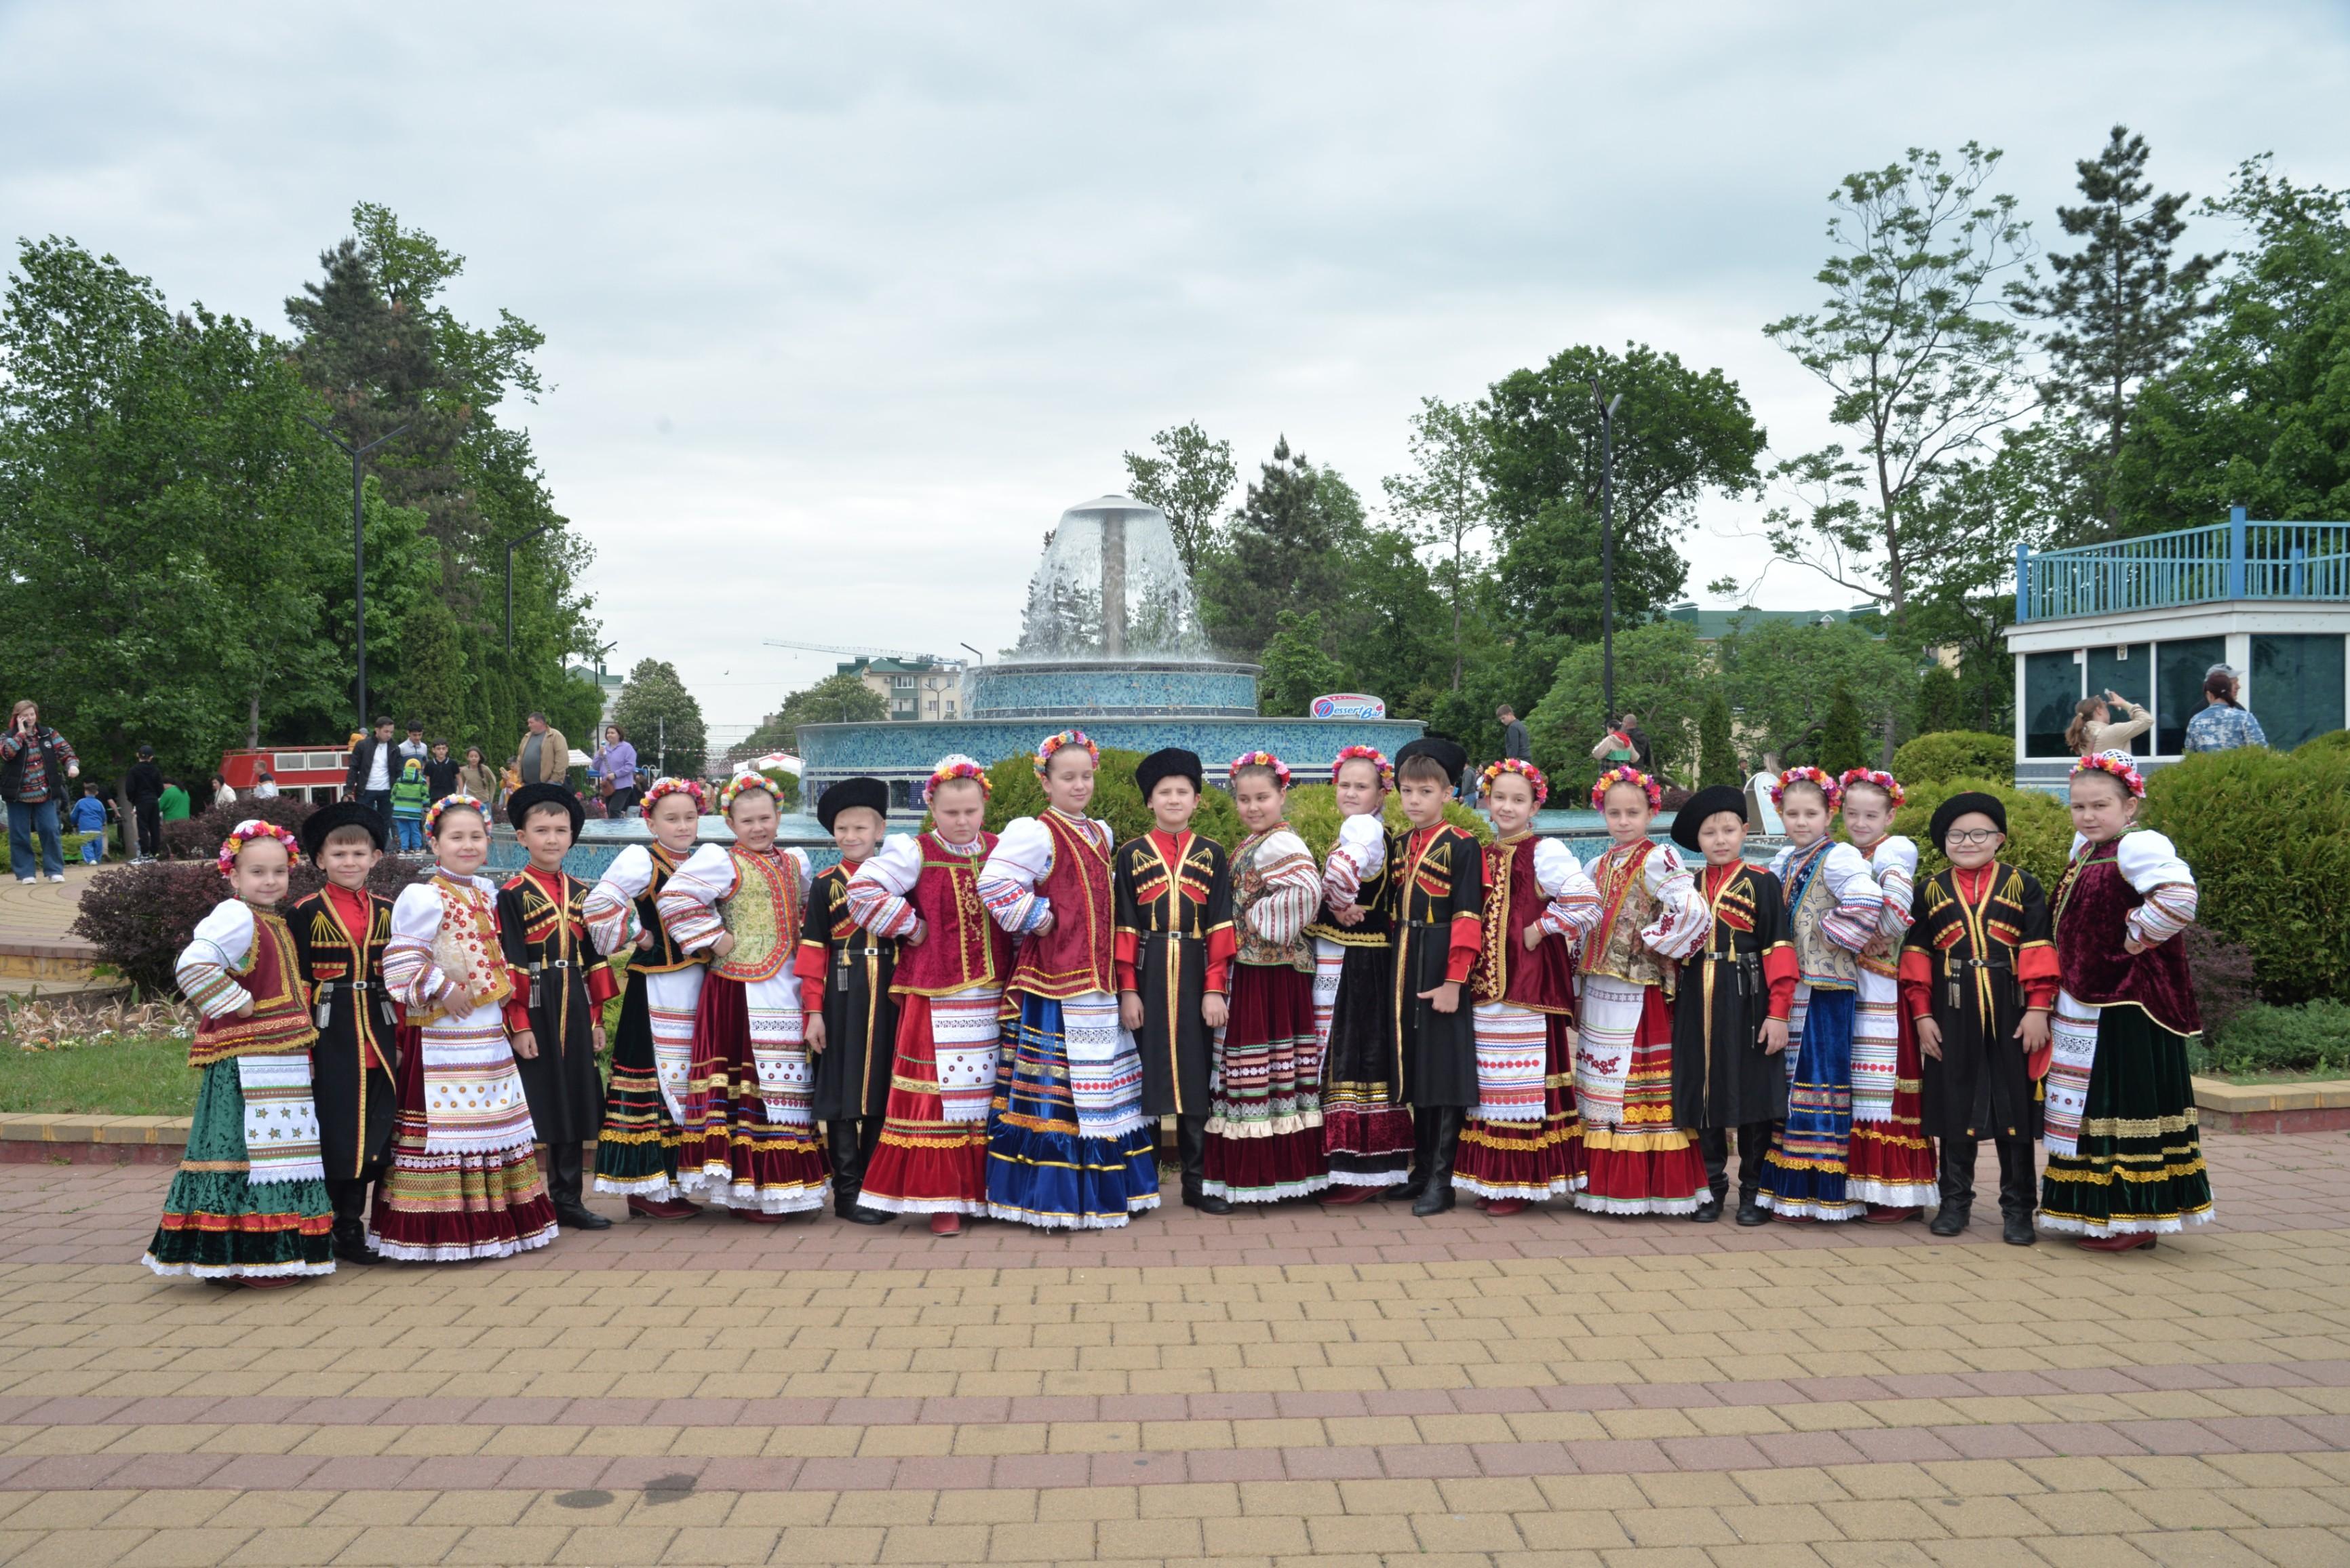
(1353, 1387)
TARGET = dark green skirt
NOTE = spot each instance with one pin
(219, 1225)
(2140, 1167)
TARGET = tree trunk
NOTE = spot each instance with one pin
(253, 721)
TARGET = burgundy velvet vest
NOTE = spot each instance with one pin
(1543, 980)
(2092, 903)
(960, 947)
(1076, 955)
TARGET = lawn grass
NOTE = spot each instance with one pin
(120, 1075)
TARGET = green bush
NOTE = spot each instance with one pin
(1955, 754)
(2267, 835)
(2327, 745)
(2039, 828)
(1017, 792)
(2311, 1038)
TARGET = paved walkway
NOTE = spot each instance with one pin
(1356, 1387)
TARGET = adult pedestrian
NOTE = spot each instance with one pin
(375, 764)
(2224, 724)
(1627, 743)
(223, 792)
(1514, 734)
(173, 806)
(413, 747)
(440, 772)
(2094, 727)
(35, 764)
(143, 786)
(475, 777)
(544, 756)
(615, 772)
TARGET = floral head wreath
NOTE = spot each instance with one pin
(1877, 776)
(1259, 760)
(253, 830)
(1623, 775)
(663, 788)
(1809, 776)
(452, 802)
(1053, 744)
(1370, 755)
(951, 768)
(741, 782)
(1528, 772)
(2117, 764)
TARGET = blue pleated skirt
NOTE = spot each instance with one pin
(1806, 1174)
(1043, 1168)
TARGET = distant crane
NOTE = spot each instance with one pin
(859, 652)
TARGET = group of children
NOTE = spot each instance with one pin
(954, 1024)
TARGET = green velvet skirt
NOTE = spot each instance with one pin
(2138, 1169)
(219, 1225)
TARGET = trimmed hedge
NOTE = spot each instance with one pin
(2311, 1038)
(2039, 828)
(1955, 754)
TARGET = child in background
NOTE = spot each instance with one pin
(1264, 1140)
(1366, 1129)
(249, 1202)
(89, 821)
(1175, 943)
(1834, 906)
(409, 796)
(923, 893)
(1523, 1143)
(1892, 1163)
(1435, 904)
(1737, 993)
(1637, 1159)
(851, 1015)
(2123, 1160)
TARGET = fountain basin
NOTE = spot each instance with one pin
(1141, 688)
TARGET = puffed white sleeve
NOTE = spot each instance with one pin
(1895, 866)
(1007, 883)
(689, 900)
(1860, 902)
(611, 906)
(1291, 893)
(220, 950)
(2150, 863)
(409, 971)
(877, 890)
(1682, 919)
(1361, 850)
(1573, 906)
(803, 870)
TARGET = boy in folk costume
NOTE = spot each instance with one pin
(1436, 906)
(1834, 906)
(1175, 941)
(1979, 982)
(2123, 1161)
(339, 934)
(542, 913)
(1523, 1143)
(748, 1119)
(249, 1202)
(1067, 1144)
(1264, 1141)
(923, 894)
(1736, 994)
(1637, 1159)
(464, 1180)
(653, 1047)
(1366, 1130)
(1891, 1166)
(845, 971)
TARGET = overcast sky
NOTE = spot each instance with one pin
(845, 303)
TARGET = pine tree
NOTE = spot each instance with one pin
(1844, 738)
(436, 684)
(1280, 554)
(1717, 753)
(2120, 312)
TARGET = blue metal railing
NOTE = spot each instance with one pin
(2238, 559)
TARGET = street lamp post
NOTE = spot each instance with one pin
(359, 548)
(1607, 549)
(512, 545)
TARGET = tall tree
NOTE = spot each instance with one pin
(2119, 311)
(661, 719)
(1442, 500)
(1188, 480)
(1280, 552)
(1922, 365)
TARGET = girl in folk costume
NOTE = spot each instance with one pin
(1366, 1130)
(923, 893)
(1834, 906)
(845, 973)
(748, 1128)
(565, 984)
(1436, 904)
(1890, 1166)
(249, 1203)
(1523, 1143)
(653, 1048)
(1979, 982)
(1264, 1140)
(1067, 1144)
(1636, 1160)
(2124, 1162)
(464, 1181)
(1737, 993)
(1175, 941)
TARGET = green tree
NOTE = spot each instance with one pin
(1442, 501)
(1296, 670)
(1386, 633)
(1280, 553)
(1188, 480)
(840, 698)
(436, 679)
(1780, 676)
(1661, 674)
(1922, 365)
(663, 719)
(1844, 738)
(2119, 311)
(1717, 753)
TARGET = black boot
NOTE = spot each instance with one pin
(564, 1182)
(2019, 1192)
(1753, 1143)
(848, 1154)
(1713, 1144)
(1191, 1153)
(1958, 1181)
(1423, 1147)
(348, 1197)
(1437, 1196)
